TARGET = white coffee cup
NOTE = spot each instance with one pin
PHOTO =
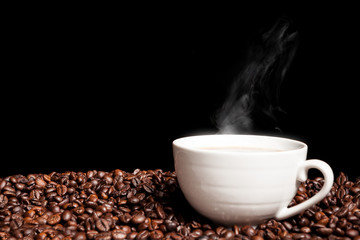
(245, 179)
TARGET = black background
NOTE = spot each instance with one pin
(112, 88)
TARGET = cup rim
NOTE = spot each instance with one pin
(181, 143)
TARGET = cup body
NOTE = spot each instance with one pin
(242, 187)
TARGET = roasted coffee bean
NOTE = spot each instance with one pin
(250, 231)
(341, 192)
(156, 235)
(125, 228)
(125, 218)
(143, 226)
(3, 201)
(54, 219)
(35, 194)
(341, 179)
(299, 199)
(80, 236)
(103, 236)
(133, 200)
(117, 234)
(150, 205)
(20, 186)
(196, 233)
(309, 213)
(354, 189)
(324, 231)
(304, 221)
(305, 229)
(16, 221)
(137, 219)
(61, 190)
(41, 220)
(143, 235)
(257, 237)
(148, 188)
(170, 225)
(160, 212)
(132, 235)
(269, 234)
(91, 234)
(228, 234)
(324, 221)
(342, 212)
(135, 181)
(102, 225)
(66, 215)
(352, 233)
(40, 182)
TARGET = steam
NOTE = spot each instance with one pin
(255, 91)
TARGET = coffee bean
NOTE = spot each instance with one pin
(342, 223)
(54, 219)
(250, 231)
(102, 225)
(80, 236)
(103, 236)
(61, 190)
(355, 190)
(16, 221)
(117, 234)
(151, 206)
(324, 221)
(148, 188)
(257, 238)
(143, 235)
(156, 235)
(66, 215)
(160, 212)
(3, 201)
(341, 192)
(301, 236)
(342, 212)
(196, 233)
(133, 200)
(305, 230)
(137, 219)
(299, 199)
(304, 221)
(91, 234)
(319, 216)
(309, 213)
(338, 231)
(125, 218)
(20, 186)
(352, 233)
(341, 179)
(35, 194)
(40, 182)
(324, 231)
(143, 226)
(91, 204)
(135, 181)
(170, 225)
(229, 234)
(41, 220)
(124, 228)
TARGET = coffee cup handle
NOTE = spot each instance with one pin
(328, 174)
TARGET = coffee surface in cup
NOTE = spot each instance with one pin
(241, 149)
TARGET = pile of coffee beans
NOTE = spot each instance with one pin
(150, 205)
